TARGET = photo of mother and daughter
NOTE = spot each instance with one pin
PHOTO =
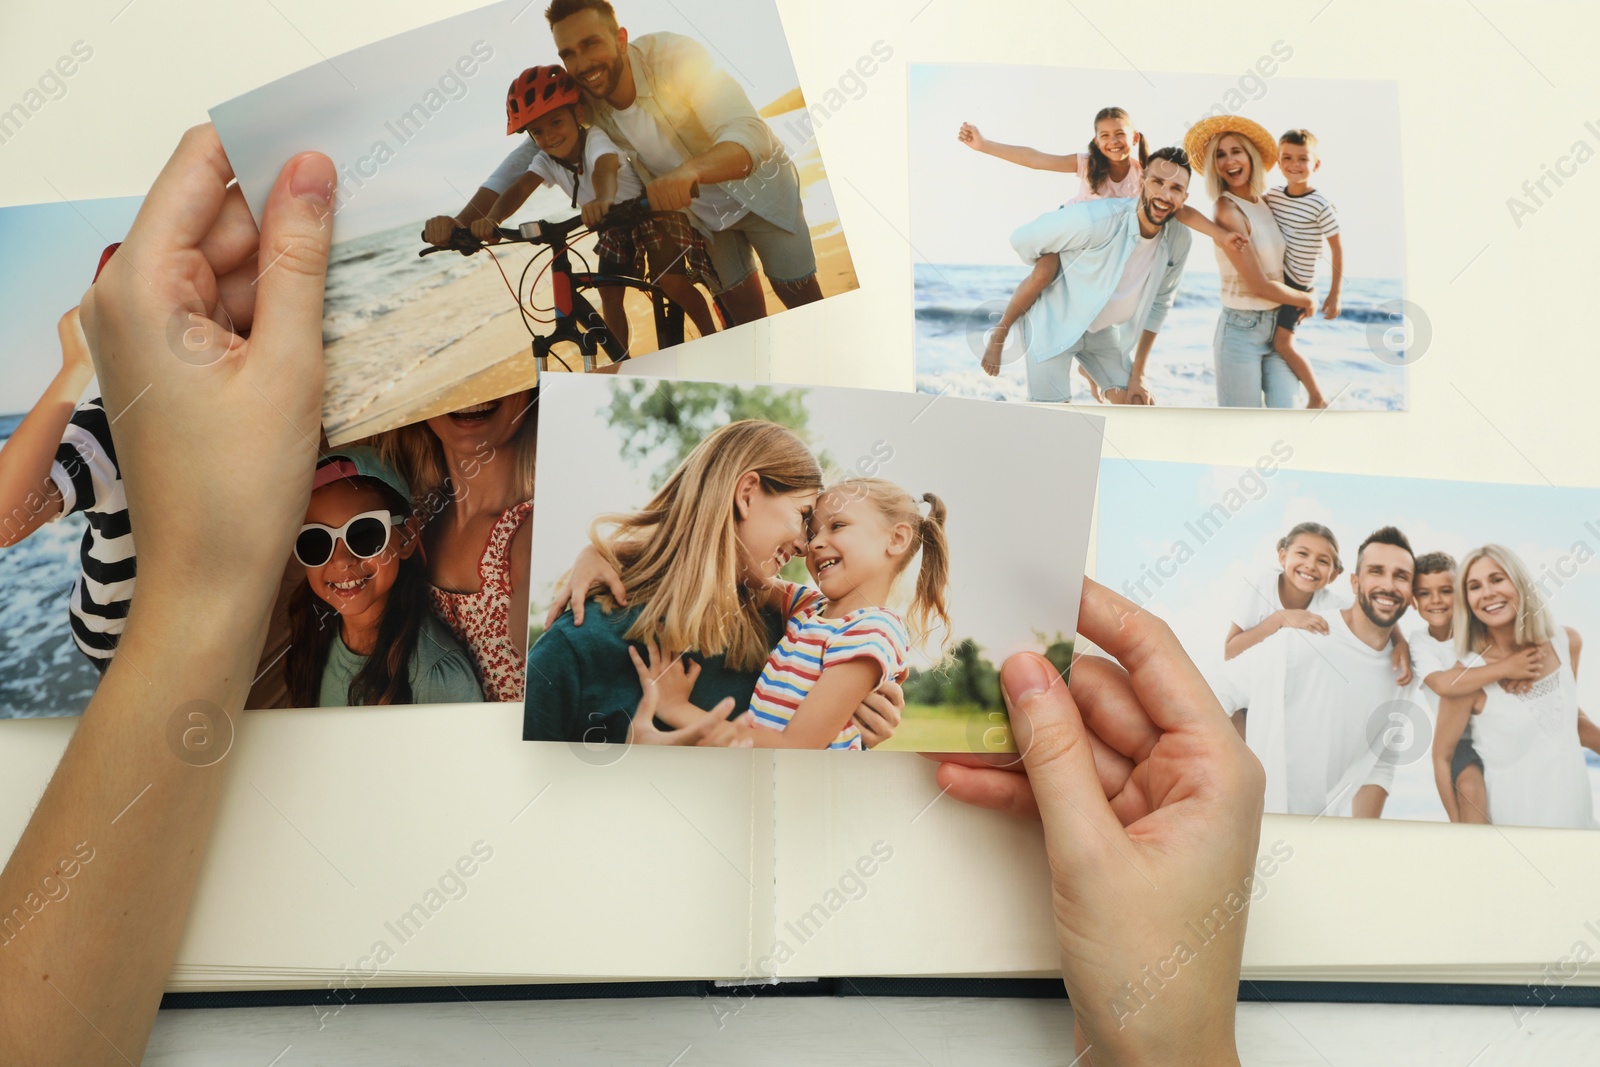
(412, 584)
(1313, 674)
(776, 663)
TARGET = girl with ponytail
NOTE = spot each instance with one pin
(841, 640)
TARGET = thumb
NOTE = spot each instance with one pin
(296, 231)
(1079, 824)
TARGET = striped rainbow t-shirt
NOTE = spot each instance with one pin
(812, 643)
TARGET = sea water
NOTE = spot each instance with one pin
(41, 670)
(955, 305)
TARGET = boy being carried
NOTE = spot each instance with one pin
(1306, 217)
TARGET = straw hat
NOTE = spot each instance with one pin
(1201, 133)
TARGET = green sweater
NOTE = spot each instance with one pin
(441, 671)
(583, 687)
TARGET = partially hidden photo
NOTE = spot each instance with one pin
(1154, 238)
(408, 579)
(528, 188)
(66, 551)
(1389, 647)
(786, 567)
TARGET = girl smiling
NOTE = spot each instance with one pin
(840, 641)
(361, 631)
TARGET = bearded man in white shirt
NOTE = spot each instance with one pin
(1314, 703)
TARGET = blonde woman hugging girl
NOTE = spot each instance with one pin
(841, 640)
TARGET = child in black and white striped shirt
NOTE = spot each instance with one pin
(1306, 218)
(59, 461)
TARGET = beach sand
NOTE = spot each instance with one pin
(494, 357)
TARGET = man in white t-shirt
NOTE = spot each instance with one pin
(1315, 704)
(685, 123)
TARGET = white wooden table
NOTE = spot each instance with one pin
(860, 1031)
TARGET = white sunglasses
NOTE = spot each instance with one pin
(365, 535)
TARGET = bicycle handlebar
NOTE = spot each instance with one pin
(542, 232)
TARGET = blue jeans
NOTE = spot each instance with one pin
(1100, 355)
(1246, 365)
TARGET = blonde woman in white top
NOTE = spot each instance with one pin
(1235, 154)
(1531, 741)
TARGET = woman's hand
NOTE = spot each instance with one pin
(590, 571)
(1152, 812)
(879, 715)
(969, 136)
(1298, 619)
(216, 437)
(167, 322)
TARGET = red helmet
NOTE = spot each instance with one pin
(538, 91)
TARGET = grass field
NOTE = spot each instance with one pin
(951, 728)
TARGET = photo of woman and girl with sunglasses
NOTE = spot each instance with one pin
(755, 590)
(409, 583)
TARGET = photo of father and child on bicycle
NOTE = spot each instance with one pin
(408, 579)
(792, 568)
(1152, 257)
(593, 185)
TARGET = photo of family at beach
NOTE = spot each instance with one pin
(785, 567)
(548, 188)
(1147, 246)
(408, 581)
(1387, 647)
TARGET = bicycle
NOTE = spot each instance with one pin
(576, 321)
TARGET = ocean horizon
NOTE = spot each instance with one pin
(954, 304)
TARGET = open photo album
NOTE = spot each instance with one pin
(587, 619)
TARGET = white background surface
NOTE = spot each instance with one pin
(1489, 92)
(860, 1031)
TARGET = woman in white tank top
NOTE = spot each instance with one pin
(1234, 154)
(1531, 741)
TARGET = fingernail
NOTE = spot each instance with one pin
(313, 180)
(1025, 676)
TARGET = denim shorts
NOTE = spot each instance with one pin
(1051, 379)
(1289, 314)
(1464, 756)
(785, 257)
(1246, 366)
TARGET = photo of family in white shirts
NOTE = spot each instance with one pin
(1389, 677)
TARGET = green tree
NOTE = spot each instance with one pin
(965, 678)
(671, 418)
(1058, 650)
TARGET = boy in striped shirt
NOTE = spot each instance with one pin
(1306, 217)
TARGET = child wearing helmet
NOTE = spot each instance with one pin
(544, 102)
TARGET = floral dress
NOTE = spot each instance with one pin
(482, 620)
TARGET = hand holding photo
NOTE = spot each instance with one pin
(717, 554)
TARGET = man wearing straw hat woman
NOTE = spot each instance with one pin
(1234, 155)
